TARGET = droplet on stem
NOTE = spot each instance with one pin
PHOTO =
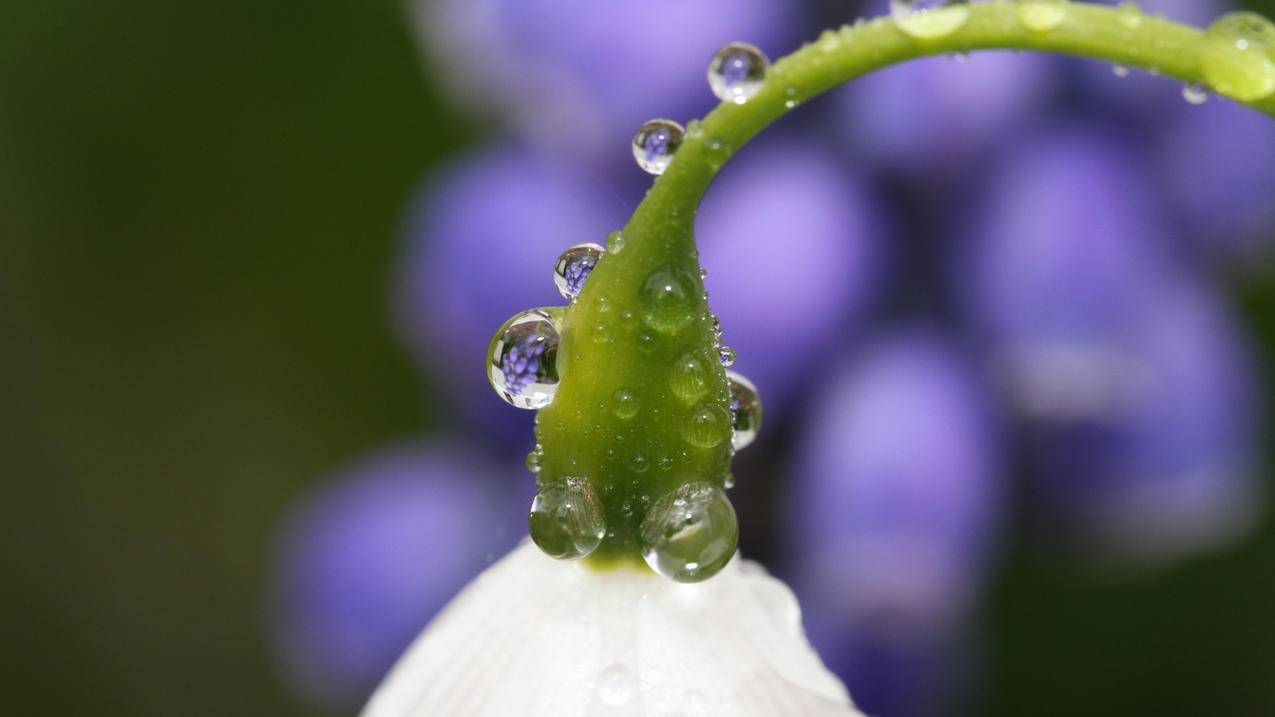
(745, 410)
(574, 266)
(522, 359)
(1239, 56)
(1041, 15)
(566, 519)
(736, 72)
(655, 143)
(929, 19)
(690, 533)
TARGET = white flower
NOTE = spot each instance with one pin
(535, 636)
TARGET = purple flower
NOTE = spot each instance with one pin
(935, 114)
(480, 246)
(579, 76)
(896, 498)
(365, 561)
(792, 244)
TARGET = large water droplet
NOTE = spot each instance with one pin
(707, 425)
(668, 298)
(1194, 93)
(625, 403)
(655, 143)
(1041, 15)
(737, 72)
(928, 19)
(522, 359)
(689, 534)
(689, 378)
(745, 410)
(573, 267)
(1239, 56)
(566, 519)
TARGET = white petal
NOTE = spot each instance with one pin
(534, 636)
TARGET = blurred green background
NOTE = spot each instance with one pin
(198, 210)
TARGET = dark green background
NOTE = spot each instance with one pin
(198, 205)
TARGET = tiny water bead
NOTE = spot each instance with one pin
(655, 143)
(690, 533)
(1041, 15)
(668, 299)
(726, 355)
(929, 19)
(625, 403)
(534, 458)
(689, 378)
(708, 425)
(1239, 56)
(745, 410)
(573, 267)
(1194, 93)
(1120, 70)
(736, 72)
(566, 519)
(522, 359)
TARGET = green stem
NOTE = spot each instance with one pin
(609, 342)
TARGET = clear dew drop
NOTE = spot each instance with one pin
(646, 342)
(625, 403)
(522, 359)
(574, 266)
(639, 463)
(1194, 93)
(1239, 56)
(1120, 70)
(690, 533)
(737, 72)
(1129, 14)
(615, 685)
(708, 425)
(745, 410)
(566, 519)
(929, 19)
(534, 458)
(689, 378)
(615, 242)
(726, 355)
(668, 299)
(1041, 15)
(655, 143)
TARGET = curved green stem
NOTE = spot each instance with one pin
(621, 338)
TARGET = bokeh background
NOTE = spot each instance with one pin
(1013, 319)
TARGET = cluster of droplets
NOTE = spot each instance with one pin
(689, 533)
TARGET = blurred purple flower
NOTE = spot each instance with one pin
(480, 246)
(896, 501)
(792, 244)
(580, 77)
(365, 561)
(932, 115)
(1218, 164)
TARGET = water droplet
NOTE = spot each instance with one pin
(534, 458)
(665, 463)
(1239, 56)
(1041, 15)
(668, 298)
(566, 519)
(689, 378)
(615, 242)
(737, 72)
(1129, 14)
(1120, 70)
(522, 359)
(729, 481)
(601, 333)
(745, 410)
(928, 19)
(615, 685)
(707, 425)
(638, 462)
(717, 327)
(1195, 93)
(690, 533)
(625, 403)
(655, 143)
(726, 355)
(573, 267)
(646, 342)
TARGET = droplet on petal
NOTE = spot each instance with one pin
(737, 72)
(929, 19)
(566, 519)
(690, 533)
(655, 143)
(745, 410)
(522, 359)
(573, 267)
